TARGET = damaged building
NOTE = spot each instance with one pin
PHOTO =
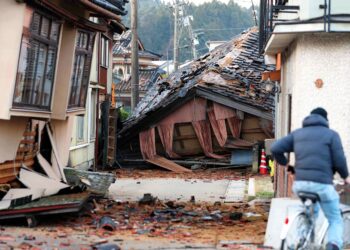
(212, 112)
(48, 50)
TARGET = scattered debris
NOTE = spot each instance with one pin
(107, 223)
(147, 199)
(107, 247)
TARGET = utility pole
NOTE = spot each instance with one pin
(134, 57)
(254, 14)
(176, 29)
(192, 37)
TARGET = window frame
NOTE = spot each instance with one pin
(29, 36)
(79, 101)
(104, 58)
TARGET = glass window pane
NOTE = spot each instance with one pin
(55, 29)
(35, 23)
(22, 67)
(45, 26)
(50, 67)
(39, 76)
(107, 53)
(93, 113)
(32, 61)
(80, 128)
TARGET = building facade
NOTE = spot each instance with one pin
(46, 52)
(309, 41)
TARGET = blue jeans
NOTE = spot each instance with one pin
(329, 202)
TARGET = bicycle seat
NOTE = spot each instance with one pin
(308, 196)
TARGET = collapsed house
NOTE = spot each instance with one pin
(47, 55)
(211, 112)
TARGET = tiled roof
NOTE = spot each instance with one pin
(231, 72)
(147, 78)
(122, 46)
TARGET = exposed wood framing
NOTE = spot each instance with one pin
(233, 104)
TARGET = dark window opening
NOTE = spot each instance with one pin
(81, 71)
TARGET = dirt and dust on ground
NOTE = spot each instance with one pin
(150, 222)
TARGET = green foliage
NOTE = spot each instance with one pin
(123, 114)
(213, 21)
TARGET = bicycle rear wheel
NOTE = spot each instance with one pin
(297, 234)
(346, 234)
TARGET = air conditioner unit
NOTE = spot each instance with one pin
(311, 9)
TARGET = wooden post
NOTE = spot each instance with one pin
(176, 44)
(134, 57)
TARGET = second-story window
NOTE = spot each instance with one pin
(104, 51)
(37, 61)
(81, 70)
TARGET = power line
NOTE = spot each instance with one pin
(223, 29)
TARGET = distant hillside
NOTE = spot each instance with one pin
(211, 21)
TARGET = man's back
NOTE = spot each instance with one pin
(318, 151)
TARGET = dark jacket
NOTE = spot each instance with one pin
(318, 151)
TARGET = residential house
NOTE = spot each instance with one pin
(214, 111)
(147, 78)
(309, 41)
(122, 68)
(46, 49)
(85, 150)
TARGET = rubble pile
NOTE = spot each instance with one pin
(106, 221)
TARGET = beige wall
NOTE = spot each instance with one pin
(11, 25)
(318, 56)
(62, 134)
(64, 72)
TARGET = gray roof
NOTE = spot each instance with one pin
(115, 6)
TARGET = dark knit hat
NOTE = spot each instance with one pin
(320, 111)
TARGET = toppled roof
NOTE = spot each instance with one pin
(122, 46)
(230, 74)
(147, 78)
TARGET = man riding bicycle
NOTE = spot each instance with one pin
(318, 155)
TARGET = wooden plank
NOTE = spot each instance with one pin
(47, 167)
(55, 152)
(16, 193)
(167, 164)
(35, 180)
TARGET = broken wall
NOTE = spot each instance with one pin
(11, 132)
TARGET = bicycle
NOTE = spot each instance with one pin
(300, 226)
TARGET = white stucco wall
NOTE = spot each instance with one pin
(318, 56)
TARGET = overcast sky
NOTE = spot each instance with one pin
(245, 3)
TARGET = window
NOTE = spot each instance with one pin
(104, 51)
(81, 71)
(120, 73)
(93, 114)
(80, 128)
(37, 62)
